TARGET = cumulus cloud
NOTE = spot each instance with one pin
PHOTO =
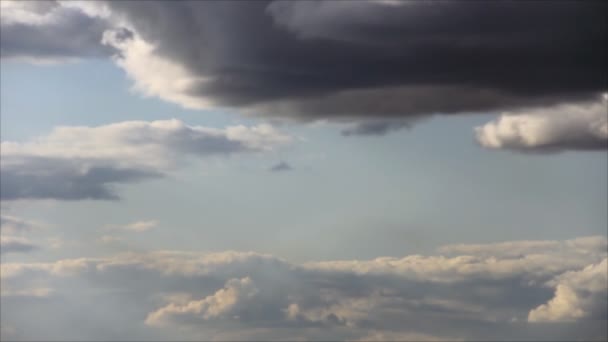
(79, 162)
(578, 294)
(408, 58)
(222, 302)
(345, 61)
(580, 126)
(473, 295)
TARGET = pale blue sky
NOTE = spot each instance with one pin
(347, 197)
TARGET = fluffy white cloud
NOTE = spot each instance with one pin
(221, 303)
(82, 162)
(581, 126)
(170, 81)
(479, 295)
(578, 294)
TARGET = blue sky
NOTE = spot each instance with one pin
(407, 192)
(139, 188)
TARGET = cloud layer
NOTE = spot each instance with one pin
(73, 163)
(521, 290)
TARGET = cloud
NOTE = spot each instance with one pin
(581, 126)
(296, 59)
(578, 294)
(15, 244)
(475, 294)
(13, 224)
(281, 167)
(137, 226)
(378, 66)
(50, 31)
(374, 127)
(222, 302)
(79, 162)
(334, 60)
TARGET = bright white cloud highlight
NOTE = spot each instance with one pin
(580, 126)
(578, 295)
(170, 81)
(220, 303)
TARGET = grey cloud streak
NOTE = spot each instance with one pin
(79, 162)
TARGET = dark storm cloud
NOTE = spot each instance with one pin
(324, 59)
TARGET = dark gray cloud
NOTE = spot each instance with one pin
(374, 128)
(65, 179)
(343, 59)
(281, 167)
(339, 60)
(544, 290)
(47, 31)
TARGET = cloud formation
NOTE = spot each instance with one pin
(581, 126)
(578, 294)
(409, 58)
(73, 163)
(496, 291)
(334, 59)
(51, 31)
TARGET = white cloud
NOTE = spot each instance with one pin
(221, 303)
(578, 294)
(261, 296)
(579, 126)
(79, 162)
(169, 81)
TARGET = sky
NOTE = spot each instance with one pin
(303, 170)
